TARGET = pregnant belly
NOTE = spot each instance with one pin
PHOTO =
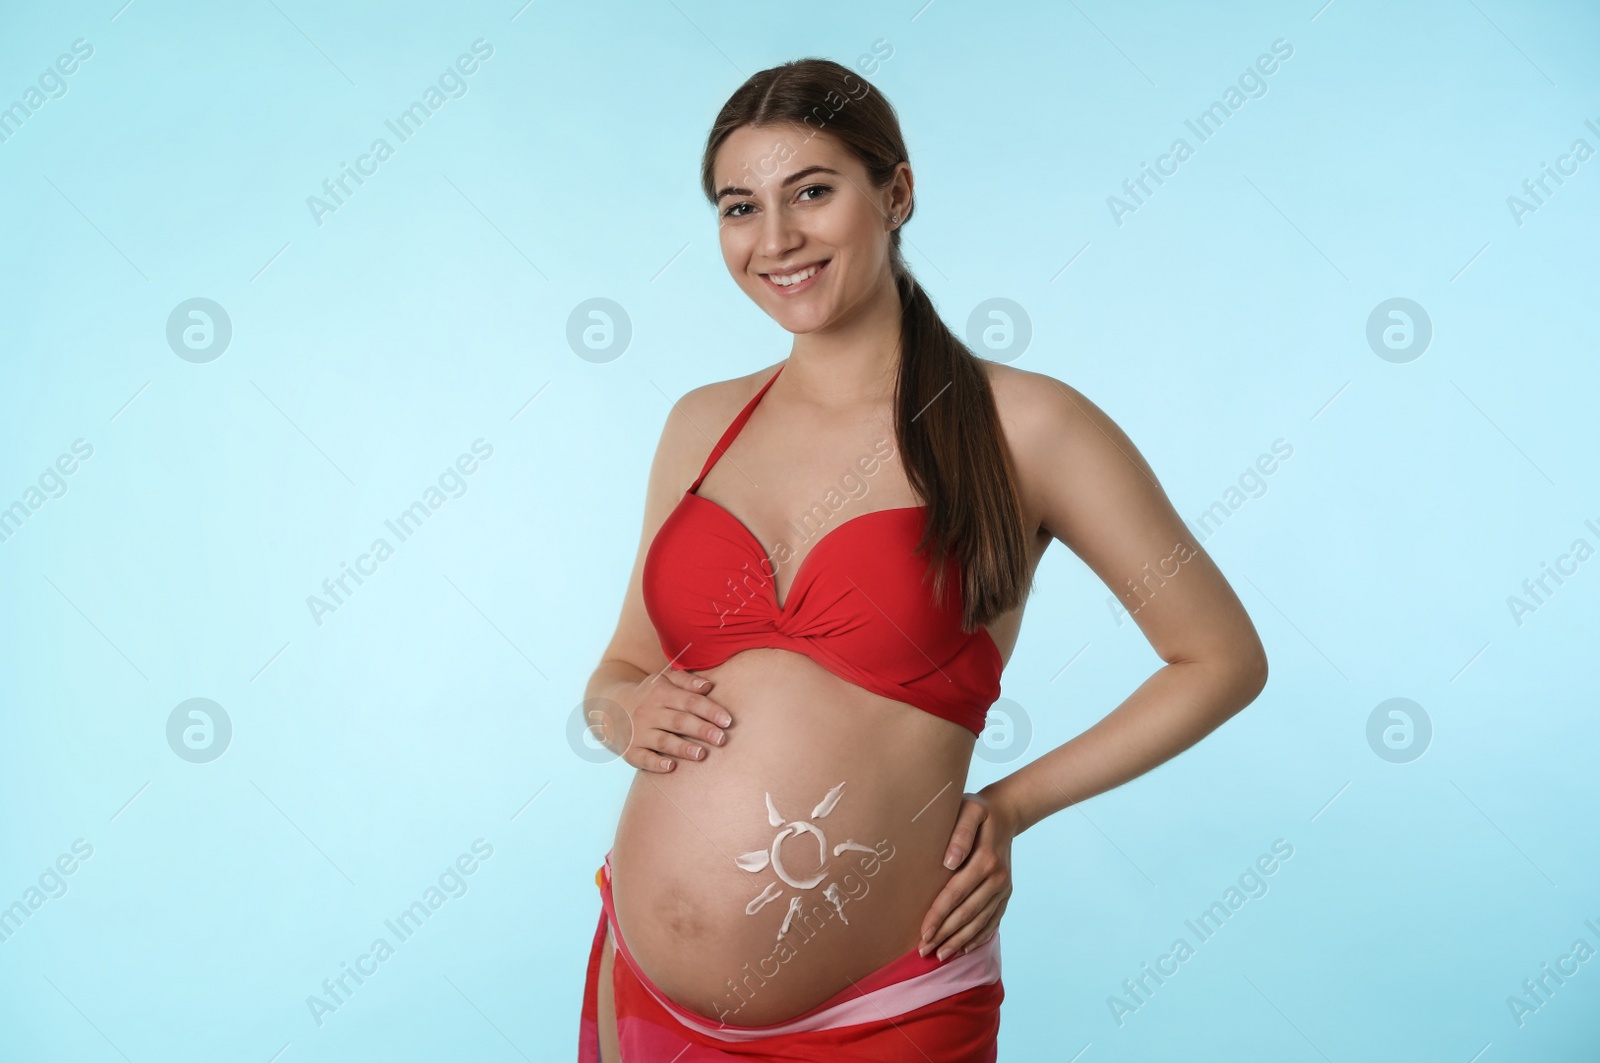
(797, 857)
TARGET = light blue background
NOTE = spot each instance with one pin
(431, 310)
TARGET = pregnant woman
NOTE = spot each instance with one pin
(834, 562)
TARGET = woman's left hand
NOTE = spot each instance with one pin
(967, 911)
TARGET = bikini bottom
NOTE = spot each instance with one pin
(914, 1009)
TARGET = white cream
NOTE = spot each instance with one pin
(800, 827)
(794, 908)
(766, 897)
(759, 860)
(832, 893)
(826, 804)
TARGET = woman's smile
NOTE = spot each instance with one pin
(794, 281)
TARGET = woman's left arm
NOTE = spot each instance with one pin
(1095, 493)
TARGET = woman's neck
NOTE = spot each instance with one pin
(851, 364)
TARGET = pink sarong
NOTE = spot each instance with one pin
(914, 1009)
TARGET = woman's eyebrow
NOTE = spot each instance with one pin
(798, 175)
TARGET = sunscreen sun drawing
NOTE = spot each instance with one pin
(760, 859)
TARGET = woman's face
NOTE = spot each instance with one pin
(790, 200)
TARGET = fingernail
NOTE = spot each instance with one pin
(950, 861)
(724, 719)
(665, 763)
(922, 951)
(944, 954)
(721, 738)
(701, 683)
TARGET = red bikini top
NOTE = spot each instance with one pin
(861, 603)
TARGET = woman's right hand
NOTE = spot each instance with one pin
(671, 721)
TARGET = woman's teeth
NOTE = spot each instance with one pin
(785, 280)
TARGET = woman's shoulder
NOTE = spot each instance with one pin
(1029, 401)
(1049, 425)
(734, 390)
(702, 413)
(715, 405)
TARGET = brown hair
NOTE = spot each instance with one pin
(946, 424)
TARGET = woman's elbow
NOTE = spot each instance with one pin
(1260, 674)
(1251, 670)
(1240, 675)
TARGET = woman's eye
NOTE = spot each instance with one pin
(735, 211)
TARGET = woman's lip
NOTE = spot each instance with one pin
(796, 289)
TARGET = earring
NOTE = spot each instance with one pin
(894, 219)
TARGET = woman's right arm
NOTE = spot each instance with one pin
(637, 704)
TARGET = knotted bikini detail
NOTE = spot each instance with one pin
(861, 603)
